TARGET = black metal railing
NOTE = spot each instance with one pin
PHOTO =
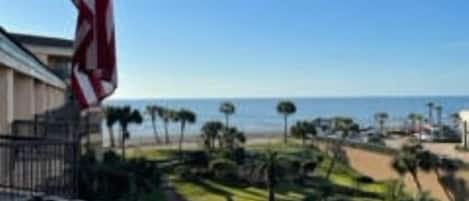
(30, 166)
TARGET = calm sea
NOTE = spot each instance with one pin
(259, 115)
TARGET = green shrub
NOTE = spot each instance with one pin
(185, 172)
(115, 179)
(223, 168)
(196, 159)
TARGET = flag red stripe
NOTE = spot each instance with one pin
(94, 61)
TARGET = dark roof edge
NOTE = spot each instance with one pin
(17, 43)
(32, 39)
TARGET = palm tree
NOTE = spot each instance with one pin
(439, 110)
(269, 167)
(286, 108)
(232, 138)
(407, 161)
(429, 161)
(346, 126)
(111, 119)
(153, 111)
(430, 106)
(166, 115)
(184, 117)
(210, 132)
(228, 109)
(303, 130)
(126, 116)
(381, 118)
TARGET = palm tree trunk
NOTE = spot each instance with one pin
(166, 133)
(111, 137)
(439, 118)
(155, 131)
(420, 132)
(181, 139)
(123, 144)
(271, 183)
(271, 194)
(212, 143)
(227, 120)
(417, 181)
(430, 115)
(285, 127)
(381, 127)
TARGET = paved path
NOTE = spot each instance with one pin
(443, 149)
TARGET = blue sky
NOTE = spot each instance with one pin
(275, 48)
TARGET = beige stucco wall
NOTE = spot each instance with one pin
(24, 96)
(55, 97)
(40, 92)
(21, 97)
(6, 99)
(378, 166)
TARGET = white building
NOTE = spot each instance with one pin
(28, 86)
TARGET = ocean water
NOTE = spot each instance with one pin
(259, 115)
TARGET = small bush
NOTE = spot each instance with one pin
(183, 172)
(223, 168)
(115, 179)
(196, 158)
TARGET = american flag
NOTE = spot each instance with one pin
(94, 72)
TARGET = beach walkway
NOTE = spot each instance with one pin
(443, 149)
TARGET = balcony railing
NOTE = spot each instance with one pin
(31, 167)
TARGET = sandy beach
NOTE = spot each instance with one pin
(194, 141)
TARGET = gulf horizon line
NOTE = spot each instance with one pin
(287, 97)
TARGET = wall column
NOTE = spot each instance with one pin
(40, 93)
(24, 97)
(6, 99)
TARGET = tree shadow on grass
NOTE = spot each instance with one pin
(456, 186)
(315, 185)
(321, 184)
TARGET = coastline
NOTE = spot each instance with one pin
(194, 140)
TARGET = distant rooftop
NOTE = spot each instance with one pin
(42, 40)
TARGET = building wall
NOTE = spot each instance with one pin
(21, 97)
(24, 95)
(6, 98)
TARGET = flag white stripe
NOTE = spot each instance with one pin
(86, 87)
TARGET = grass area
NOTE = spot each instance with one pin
(343, 179)
(208, 190)
(152, 154)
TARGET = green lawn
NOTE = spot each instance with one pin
(342, 178)
(153, 154)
